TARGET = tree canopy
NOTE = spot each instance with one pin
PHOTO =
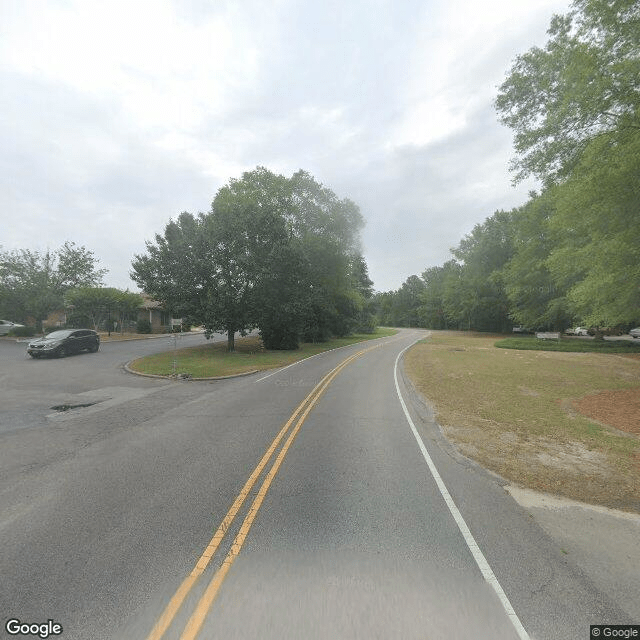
(99, 305)
(281, 254)
(33, 283)
(571, 254)
(583, 84)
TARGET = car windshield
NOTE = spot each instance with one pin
(58, 335)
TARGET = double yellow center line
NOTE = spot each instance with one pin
(198, 617)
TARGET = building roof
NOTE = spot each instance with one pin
(149, 303)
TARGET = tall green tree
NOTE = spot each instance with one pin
(263, 273)
(432, 308)
(575, 110)
(406, 309)
(480, 298)
(583, 84)
(280, 254)
(536, 299)
(363, 286)
(402, 307)
(328, 230)
(382, 302)
(597, 215)
(33, 283)
(178, 267)
(101, 304)
(280, 296)
(318, 212)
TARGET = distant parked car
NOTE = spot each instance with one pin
(64, 342)
(635, 333)
(7, 325)
(520, 329)
(580, 331)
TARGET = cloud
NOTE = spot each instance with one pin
(81, 171)
(116, 116)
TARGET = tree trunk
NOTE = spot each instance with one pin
(231, 340)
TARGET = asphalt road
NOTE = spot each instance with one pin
(107, 510)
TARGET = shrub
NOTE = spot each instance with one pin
(280, 337)
(143, 326)
(366, 323)
(22, 332)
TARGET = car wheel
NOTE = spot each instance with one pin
(94, 348)
(35, 355)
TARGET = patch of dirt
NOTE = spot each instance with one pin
(573, 457)
(528, 392)
(564, 468)
(619, 409)
(541, 454)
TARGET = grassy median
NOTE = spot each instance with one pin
(213, 360)
(565, 423)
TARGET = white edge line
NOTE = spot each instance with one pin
(273, 373)
(478, 556)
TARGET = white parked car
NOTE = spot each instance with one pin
(635, 333)
(520, 329)
(580, 331)
(7, 325)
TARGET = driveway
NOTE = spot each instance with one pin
(30, 388)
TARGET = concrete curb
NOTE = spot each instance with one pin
(128, 369)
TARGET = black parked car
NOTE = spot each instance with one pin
(63, 342)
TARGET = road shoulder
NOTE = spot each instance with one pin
(601, 542)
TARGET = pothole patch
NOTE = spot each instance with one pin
(68, 407)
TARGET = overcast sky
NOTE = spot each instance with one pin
(116, 116)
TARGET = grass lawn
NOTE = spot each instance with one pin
(521, 413)
(213, 360)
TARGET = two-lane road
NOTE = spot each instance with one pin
(290, 504)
